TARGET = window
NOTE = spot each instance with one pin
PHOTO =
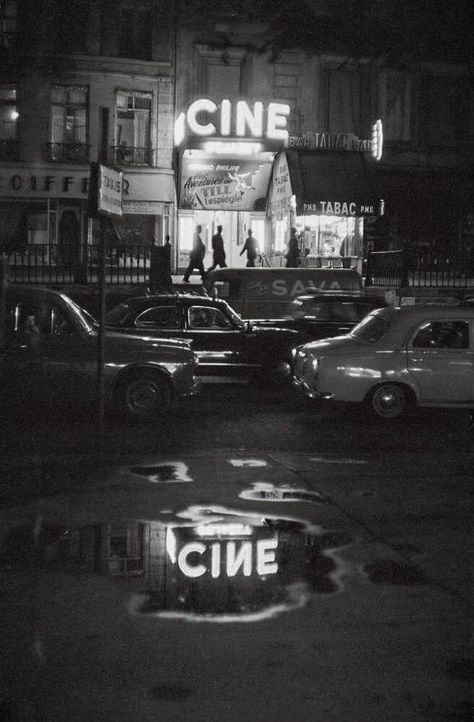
(69, 105)
(220, 72)
(394, 105)
(343, 102)
(160, 317)
(8, 21)
(133, 112)
(441, 111)
(136, 33)
(8, 114)
(442, 334)
(208, 318)
(29, 323)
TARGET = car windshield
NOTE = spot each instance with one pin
(86, 319)
(234, 316)
(371, 328)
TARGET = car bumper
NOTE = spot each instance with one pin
(309, 391)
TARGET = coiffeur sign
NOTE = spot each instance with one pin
(232, 182)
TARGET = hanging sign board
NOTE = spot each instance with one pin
(110, 191)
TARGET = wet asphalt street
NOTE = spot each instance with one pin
(251, 557)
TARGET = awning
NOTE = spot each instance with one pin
(13, 227)
(329, 183)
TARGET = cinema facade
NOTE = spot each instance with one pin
(238, 167)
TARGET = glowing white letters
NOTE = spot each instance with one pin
(245, 556)
(239, 121)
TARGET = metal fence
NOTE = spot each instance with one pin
(63, 264)
(403, 268)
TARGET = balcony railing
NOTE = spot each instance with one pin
(131, 155)
(9, 150)
(68, 153)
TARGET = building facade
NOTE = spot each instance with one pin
(216, 121)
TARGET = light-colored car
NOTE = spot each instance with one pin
(49, 351)
(394, 358)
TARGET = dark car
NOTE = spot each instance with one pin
(325, 314)
(228, 347)
(49, 350)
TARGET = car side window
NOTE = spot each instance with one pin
(207, 317)
(30, 323)
(159, 317)
(442, 334)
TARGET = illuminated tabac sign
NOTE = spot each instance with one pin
(313, 140)
(206, 119)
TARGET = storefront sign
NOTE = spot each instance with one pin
(35, 183)
(235, 183)
(313, 140)
(280, 192)
(196, 558)
(110, 191)
(338, 208)
(205, 119)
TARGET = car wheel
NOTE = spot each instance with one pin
(144, 395)
(389, 400)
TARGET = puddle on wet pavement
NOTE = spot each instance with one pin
(205, 564)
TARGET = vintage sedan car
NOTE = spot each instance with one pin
(228, 348)
(49, 350)
(396, 357)
(327, 313)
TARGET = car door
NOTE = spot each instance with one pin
(440, 358)
(218, 342)
(20, 359)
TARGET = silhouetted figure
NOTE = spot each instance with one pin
(196, 256)
(218, 252)
(251, 247)
(293, 254)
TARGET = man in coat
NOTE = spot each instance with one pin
(196, 256)
(251, 247)
(218, 250)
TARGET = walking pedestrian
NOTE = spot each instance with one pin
(251, 247)
(293, 254)
(218, 252)
(196, 256)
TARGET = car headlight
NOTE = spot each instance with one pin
(315, 365)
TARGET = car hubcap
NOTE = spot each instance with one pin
(389, 401)
(142, 397)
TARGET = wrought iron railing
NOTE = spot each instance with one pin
(131, 155)
(418, 267)
(68, 153)
(64, 264)
(9, 150)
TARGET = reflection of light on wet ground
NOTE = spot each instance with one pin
(322, 460)
(263, 491)
(205, 563)
(163, 473)
(248, 463)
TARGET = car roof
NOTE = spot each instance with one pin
(339, 295)
(421, 311)
(185, 298)
(36, 292)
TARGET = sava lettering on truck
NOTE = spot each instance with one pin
(279, 287)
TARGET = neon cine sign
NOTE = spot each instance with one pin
(196, 558)
(205, 119)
